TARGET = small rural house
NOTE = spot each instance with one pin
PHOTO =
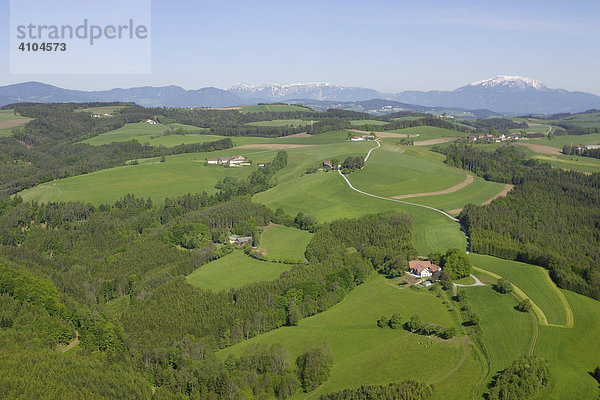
(424, 269)
(368, 137)
(328, 164)
(240, 240)
(356, 139)
(229, 161)
(151, 122)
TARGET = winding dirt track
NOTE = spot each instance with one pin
(540, 148)
(452, 189)
(273, 146)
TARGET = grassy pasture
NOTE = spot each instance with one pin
(101, 110)
(273, 108)
(185, 127)
(560, 141)
(576, 163)
(389, 174)
(476, 193)
(571, 352)
(358, 122)
(8, 115)
(366, 354)
(280, 122)
(529, 278)
(506, 332)
(285, 243)
(233, 271)
(180, 174)
(140, 131)
(429, 132)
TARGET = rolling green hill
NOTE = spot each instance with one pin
(285, 243)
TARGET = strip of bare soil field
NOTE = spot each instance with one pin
(14, 122)
(452, 189)
(540, 148)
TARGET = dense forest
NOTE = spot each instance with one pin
(112, 278)
(550, 218)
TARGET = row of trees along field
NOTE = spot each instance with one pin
(579, 150)
(550, 218)
(113, 276)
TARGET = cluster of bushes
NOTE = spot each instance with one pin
(352, 163)
(395, 322)
(522, 380)
(415, 325)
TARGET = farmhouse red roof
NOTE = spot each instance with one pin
(420, 266)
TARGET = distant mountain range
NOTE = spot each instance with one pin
(502, 94)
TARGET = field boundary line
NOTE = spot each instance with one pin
(395, 200)
(570, 319)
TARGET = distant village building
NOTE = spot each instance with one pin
(368, 137)
(228, 161)
(327, 164)
(240, 240)
(424, 269)
(151, 122)
(592, 146)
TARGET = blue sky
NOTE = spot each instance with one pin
(386, 45)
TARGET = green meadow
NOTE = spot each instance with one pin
(531, 279)
(9, 115)
(283, 243)
(273, 108)
(140, 131)
(358, 122)
(506, 332)
(280, 122)
(180, 174)
(389, 174)
(101, 110)
(576, 163)
(233, 271)
(476, 193)
(366, 354)
(429, 132)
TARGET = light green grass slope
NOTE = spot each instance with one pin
(366, 354)
(233, 271)
(140, 131)
(285, 243)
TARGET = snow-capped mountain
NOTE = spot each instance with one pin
(510, 81)
(506, 94)
(314, 91)
(502, 94)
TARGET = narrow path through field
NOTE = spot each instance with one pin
(72, 344)
(397, 201)
(452, 189)
(389, 199)
(461, 362)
